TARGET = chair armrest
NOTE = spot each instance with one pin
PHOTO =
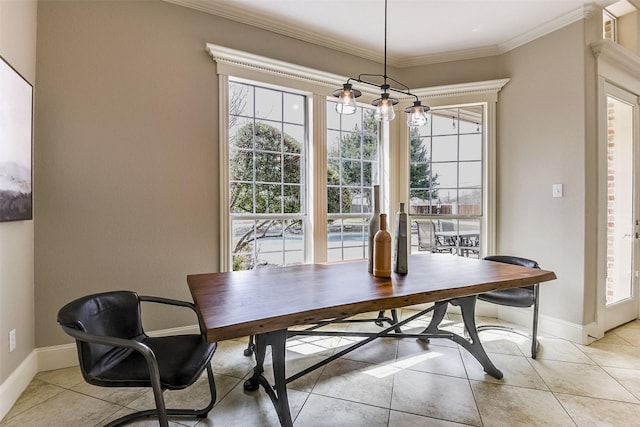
(168, 301)
(147, 353)
(107, 340)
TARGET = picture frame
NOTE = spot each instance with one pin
(16, 145)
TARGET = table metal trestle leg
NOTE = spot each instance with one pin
(277, 392)
(379, 320)
(472, 345)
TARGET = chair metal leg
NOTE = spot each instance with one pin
(394, 319)
(162, 413)
(534, 328)
(534, 334)
(250, 347)
(157, 394)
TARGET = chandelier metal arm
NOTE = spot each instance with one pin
(385, 86)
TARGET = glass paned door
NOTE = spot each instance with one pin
(618, 285)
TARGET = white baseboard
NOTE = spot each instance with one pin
(57, 357)
(579, 334)
(17, 382)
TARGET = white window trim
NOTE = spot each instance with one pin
(240, 64)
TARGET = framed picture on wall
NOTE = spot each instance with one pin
(16, 132)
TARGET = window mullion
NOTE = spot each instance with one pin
(318, 180)
(223, 132)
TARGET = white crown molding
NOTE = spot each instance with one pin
(246, 60)
(461, 89)
(241, 59)
(239, 14)
(616, 55)
(457, 55)
(584, 12)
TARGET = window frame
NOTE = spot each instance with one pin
(457, 218)
(277, 216)
(375, 174)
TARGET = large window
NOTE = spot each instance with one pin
(296, 178)
(446, 181)
(352, 169)
(267, 146)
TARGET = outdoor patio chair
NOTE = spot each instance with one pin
(428, 240)
(445, 225)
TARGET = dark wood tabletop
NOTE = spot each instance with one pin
(242, 303)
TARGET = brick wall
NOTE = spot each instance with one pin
(611, 183)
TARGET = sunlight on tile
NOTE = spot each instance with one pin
(513, 337)
(402, 364)
(308, 345)
(307, 348)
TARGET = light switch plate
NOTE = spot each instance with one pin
(12, 340)
(557, 190)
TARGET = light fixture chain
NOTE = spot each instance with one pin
(385, 42)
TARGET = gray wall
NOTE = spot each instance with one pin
(541, 141)
(18, 47)
(127, 150)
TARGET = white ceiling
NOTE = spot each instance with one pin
(419, 31)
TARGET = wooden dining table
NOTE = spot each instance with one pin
(267, 302)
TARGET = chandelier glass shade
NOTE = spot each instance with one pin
(417, 113)
(384, 108)
(346, 99)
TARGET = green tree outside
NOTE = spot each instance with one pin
(358, 152)
(265, 172)
(422, 183)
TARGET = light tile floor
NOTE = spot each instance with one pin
(394, 383)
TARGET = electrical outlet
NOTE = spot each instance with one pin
(12, 340)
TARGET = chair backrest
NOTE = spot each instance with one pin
(426, 231)
(446, 225)
(112, 314)
(508, 259)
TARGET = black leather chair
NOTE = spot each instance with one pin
(114, 350)
(516, 297)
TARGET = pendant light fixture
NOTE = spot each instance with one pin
(417, 113)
